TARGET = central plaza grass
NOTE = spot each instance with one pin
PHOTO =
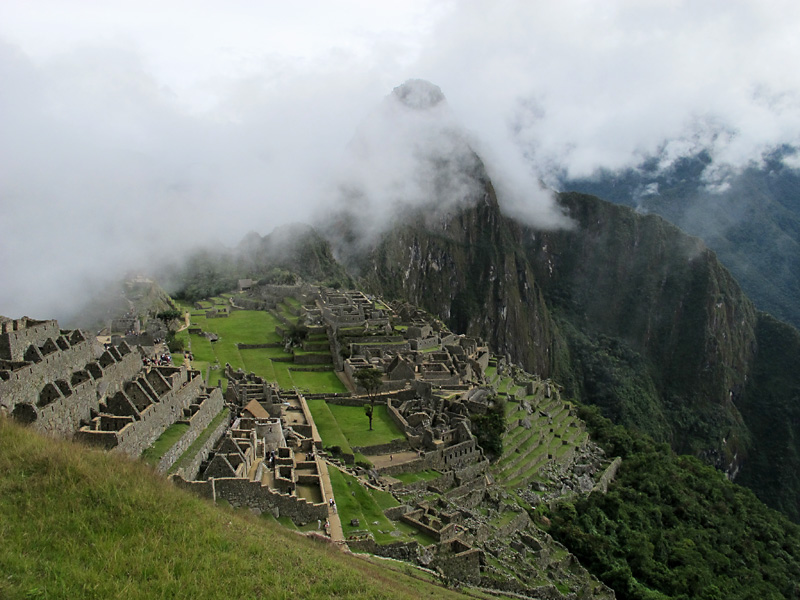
(353, 422)
(253, 327)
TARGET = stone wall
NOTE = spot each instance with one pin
(62, 417)
(312, 359)
(190, 470)
(152, 420)
(240, 492)
(608, 476)
(24, 382)
(395, 416)
(249, 303)
(315, 437)
(393, 447)
(462, 566)
(457, 456)
(405, 551)
(207, 408)
(18, 334)
(361, 347)
(65, 387)
(424, 344)
(241, 346)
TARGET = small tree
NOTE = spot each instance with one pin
(369, 409)
(295, 334)
(371, 380)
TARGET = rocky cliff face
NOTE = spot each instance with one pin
(664, 295)
(622, 309)
(469, 268)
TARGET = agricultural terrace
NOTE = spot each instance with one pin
(356, 500)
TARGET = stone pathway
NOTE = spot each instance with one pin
(398, 458)
(336, 532)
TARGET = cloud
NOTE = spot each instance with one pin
(103, 171)
(412, 152)
(133, 130)
(584, 85)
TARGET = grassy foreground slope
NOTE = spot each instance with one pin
(80, 523)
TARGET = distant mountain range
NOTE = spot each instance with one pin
(751, 220)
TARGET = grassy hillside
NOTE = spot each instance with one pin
(78, 523)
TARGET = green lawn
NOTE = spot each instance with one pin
(318, 382)
(355, 501)
(78, 523)
(327, 427)
(258, 361)
(354, 424)
(254, 327)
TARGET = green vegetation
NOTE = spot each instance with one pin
(79, 523)
(344, 426)
(671, 527)
(611, 375)
(771, 407)
(490, 427)
(371, 380)
(356, 501)
(350, 420)
(317, 382)
(169, 315)
(165, 441)
(327, 426)
(255, 327)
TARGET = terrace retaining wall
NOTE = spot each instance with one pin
(192, 467)
(208, 409)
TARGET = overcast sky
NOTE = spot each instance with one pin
(132, 129)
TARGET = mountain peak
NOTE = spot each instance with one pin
(419, 94)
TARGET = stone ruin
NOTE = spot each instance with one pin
(62, 382)
(268, 460)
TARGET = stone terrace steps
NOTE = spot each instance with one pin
(527, 450)
(521, 458)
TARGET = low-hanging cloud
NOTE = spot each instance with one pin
(411, 152)
(581, 86)
(130, 133)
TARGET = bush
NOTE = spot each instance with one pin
(175, 344)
